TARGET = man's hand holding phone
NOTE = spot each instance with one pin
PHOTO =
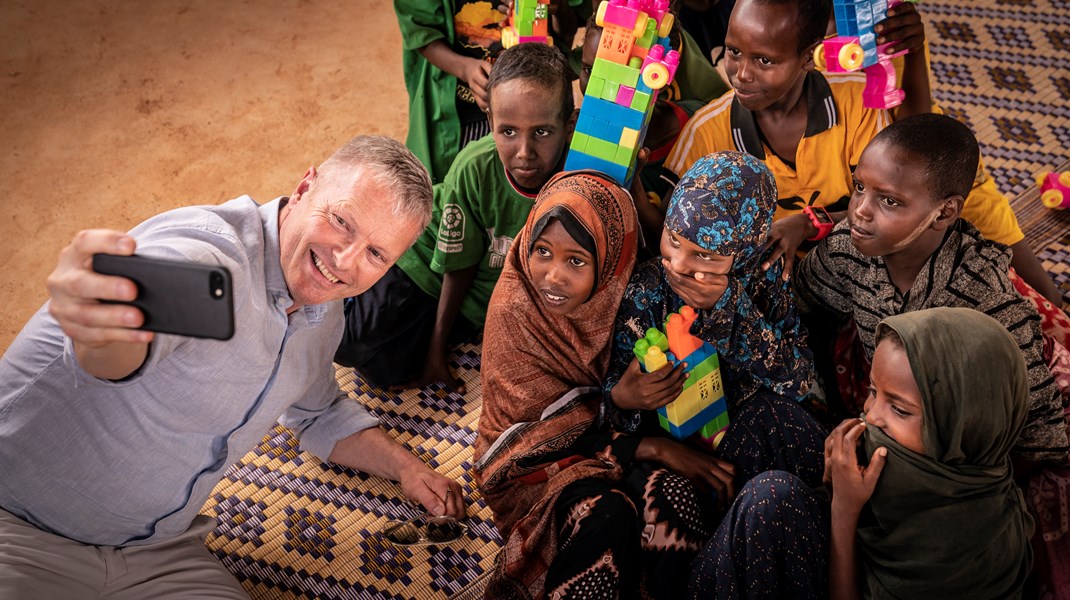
(77, 291)
(107, 299)
(105, 339)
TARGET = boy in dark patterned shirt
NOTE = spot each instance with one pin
(903, 248)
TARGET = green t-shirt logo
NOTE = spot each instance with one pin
(451, 231)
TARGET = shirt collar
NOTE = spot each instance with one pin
(273, 277)
(274, 280)
(516, 186)
(821, 116)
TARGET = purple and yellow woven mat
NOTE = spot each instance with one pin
(291, 526)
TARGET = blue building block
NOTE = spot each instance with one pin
(696, 422)
(613, 113)
(579, 160)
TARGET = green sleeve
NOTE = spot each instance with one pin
(461, 241)
(422, 22)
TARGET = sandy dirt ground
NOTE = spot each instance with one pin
(112, 111)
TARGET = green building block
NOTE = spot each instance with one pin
(640, 101)
(611, 71)
(595, 85)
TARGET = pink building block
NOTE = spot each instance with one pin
(881, 91)
(620, 13)
(624, 95)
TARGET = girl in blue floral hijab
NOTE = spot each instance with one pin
(711, 252)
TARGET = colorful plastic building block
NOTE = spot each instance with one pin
(701, 409)
(855, 47)
(529, 21)
(1055, 189)
(634, 62)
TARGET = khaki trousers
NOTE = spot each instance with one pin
(36, 564)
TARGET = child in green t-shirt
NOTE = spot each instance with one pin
(396, 333)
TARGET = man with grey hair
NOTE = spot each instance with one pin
(112, 438)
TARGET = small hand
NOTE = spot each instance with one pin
(76, 291)
(705, 471)
(852, 485)
(437, 493)
(637, 390)
(436, 370)
(903, 27)
(701, 291)
(476, 74)
(784, 239)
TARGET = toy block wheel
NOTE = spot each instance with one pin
(1064, 178)
(656, 76)
(1042, 177)
(819, 57)
(1052, 198)
(666, 25)
(851, 57)
(600, 16)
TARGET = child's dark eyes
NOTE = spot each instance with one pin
(577, 262)
(889, 201)
(541, 251)
(765, 62)
(859, 188)
(542, 132)
(900, 412)
(732, 51)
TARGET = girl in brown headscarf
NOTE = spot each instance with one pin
(577, 508)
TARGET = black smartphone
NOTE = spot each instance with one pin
(176, 297)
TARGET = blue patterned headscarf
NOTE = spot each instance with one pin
(725, 203)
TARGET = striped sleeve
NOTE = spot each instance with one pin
(1044, 437)
(822, 279)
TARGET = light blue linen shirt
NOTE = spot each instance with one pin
(131, 462)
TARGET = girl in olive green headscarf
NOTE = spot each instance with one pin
(936, 513)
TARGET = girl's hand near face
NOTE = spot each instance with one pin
(702, 291)
(637, 390)
(851, 484)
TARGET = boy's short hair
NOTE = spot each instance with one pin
(539, 63)
(812, 17)
(946, 147)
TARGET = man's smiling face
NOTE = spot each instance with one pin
(338, 235)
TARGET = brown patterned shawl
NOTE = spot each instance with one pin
(541, 377)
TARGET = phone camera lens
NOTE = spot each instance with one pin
(215, 284)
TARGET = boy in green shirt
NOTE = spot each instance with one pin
(396, 333)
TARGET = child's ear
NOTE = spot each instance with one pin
(570, 126)
(950, 209)
(809, 55)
